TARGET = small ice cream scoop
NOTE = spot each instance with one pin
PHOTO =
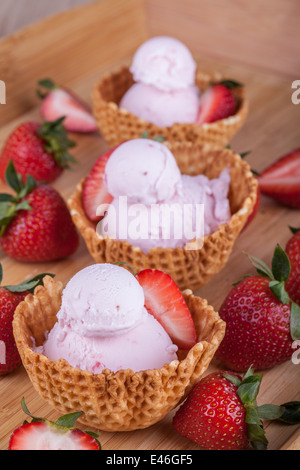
(165, 63)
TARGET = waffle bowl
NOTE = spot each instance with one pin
(121, 401)
(117, 125)
(190, 269)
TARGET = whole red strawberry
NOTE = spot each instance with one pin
(293, 251)
(10, 297)
(213, 415)
(261, 320)
(35, 224)
(221, 413)
(39, 150)
(42, 434)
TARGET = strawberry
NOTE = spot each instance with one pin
(42, 434)
(35, 223)
(40, 150)
(94, 192)
(281, 180)
(164, 300)
(220, 413)
(10, 297)
(261, 320)
(217, 102)
(60, 102)
(293, 251)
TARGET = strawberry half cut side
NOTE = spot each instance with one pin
(42, 434)
(164, 300)
(60, 102)
(281, 180)
(217, 102)
(94, 192)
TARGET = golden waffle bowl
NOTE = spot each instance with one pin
(121, 401)
(117, 125)
(190, 269)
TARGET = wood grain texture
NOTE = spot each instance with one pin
(260, 33)
(270, 131)
(16, 14)
(72, 45)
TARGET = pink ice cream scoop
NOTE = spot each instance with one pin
(164, 92)
(143, 170)
(165, 63)
(103, 324)
(162, 108)
(154, 205)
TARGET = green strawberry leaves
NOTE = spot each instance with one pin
(47, 85)
(28, 285)
(10, 205)
(229, 83)
(294, 229)
(278, 275)
(157, 138)
(56, 141)
(247, 390)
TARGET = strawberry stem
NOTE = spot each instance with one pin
(56, 141)
(123, 263)
(48, 85)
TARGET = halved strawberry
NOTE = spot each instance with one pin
(217, 102)
(164, 300)
(94, 191)
(42, 434)
(59, 102)
(281, 180)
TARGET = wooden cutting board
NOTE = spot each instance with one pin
(75, 49)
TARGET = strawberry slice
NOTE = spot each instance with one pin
(60, 102)
(217, 102)
(94, 191)
(164, 300)
(42, 434)
(281, 180)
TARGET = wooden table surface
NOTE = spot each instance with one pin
(16, 14)
(271, 130)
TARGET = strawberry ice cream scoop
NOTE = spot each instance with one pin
(96, 301)
(103, 324)
(162, 108)
(146, 346)
(143, 170)
(165, 63)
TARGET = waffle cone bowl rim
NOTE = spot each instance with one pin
(233, 227)
(196, 361)
(236, 119)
